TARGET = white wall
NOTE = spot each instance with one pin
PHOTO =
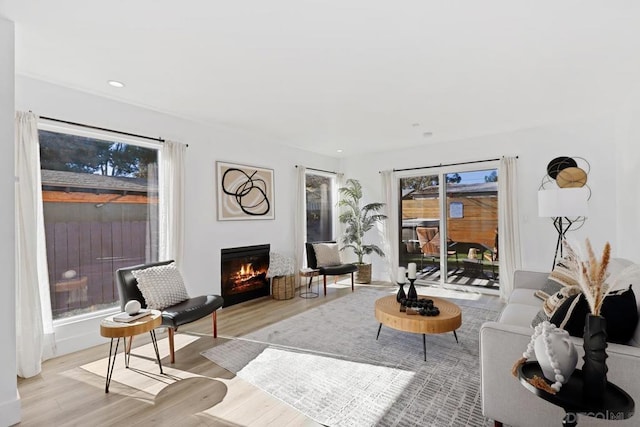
(627, 169)
(9, 399)
(205, 236)
(592, 139)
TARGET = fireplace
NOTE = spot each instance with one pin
(244, 273)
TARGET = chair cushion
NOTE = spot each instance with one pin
(162, 286)
(190, 310)
(327, 254)
(335, 270)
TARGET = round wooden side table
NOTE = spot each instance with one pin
(310, 273)
(112, 329)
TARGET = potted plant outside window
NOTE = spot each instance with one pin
(358, 220)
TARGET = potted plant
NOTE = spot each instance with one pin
(358, 220)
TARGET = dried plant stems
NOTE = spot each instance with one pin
(591, 274)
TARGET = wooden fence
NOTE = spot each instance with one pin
(478, 224)
(94, 251)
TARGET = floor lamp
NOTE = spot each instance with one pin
(566, 206)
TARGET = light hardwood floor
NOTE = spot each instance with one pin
(193, 392)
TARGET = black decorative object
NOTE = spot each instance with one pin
(401, 295)
(412, 294)
(595, 367)
(558, 164)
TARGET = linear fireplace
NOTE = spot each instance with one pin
(244, 273)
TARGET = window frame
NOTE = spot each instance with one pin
(334, 208)
(111, 137)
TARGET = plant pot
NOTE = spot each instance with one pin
(594, 369)
(363, 275)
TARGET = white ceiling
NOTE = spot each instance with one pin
(328, 74)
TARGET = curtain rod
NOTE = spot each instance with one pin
(447, 164)
(102, 129)
(320, 170)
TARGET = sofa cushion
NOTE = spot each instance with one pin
(524, 296)
(549, 288)
(518, 314)
(629, 275)
(563, 275)
(619, 308)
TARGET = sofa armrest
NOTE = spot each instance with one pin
(529, 279)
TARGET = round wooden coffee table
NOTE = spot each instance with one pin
(388, 313)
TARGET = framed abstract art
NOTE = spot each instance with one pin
(244, 192)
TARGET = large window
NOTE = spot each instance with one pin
(320, 195)
(101, 213)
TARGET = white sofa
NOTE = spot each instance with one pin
(502, 342)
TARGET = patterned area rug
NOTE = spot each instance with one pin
(327, 363)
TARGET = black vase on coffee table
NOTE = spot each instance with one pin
(401, 295)
(412, 294)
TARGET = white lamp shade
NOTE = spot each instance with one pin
(563, 202)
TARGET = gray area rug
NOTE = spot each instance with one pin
(327, 363)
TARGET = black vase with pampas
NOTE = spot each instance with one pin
(594, 370)
(591, 275)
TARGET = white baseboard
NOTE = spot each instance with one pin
(10, 413)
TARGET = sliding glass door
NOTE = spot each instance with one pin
(449, 225)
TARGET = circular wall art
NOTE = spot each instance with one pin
(558, 164)
(573, 177)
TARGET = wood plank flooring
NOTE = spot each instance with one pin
(65, 394)
(194, 391)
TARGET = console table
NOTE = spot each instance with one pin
(616, 403)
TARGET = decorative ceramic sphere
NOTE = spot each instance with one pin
(132, 307)
(556, 354)
(69, 274)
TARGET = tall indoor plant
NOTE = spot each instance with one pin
(358, 219)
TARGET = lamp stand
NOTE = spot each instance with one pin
(561, 227)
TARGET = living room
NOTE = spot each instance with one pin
(592, 111)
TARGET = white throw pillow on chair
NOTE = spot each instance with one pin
(327, 254)
(161, 286)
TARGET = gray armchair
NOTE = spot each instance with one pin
(174, 316)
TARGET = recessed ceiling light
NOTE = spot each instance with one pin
(115, 83)
(415, 125)
(427, 134)
(339, 150)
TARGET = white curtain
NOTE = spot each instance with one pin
(510, 258)
(172, 186)
(390, 231)
(300, 218)
(34, 326)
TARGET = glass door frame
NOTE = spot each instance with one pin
(441, 172)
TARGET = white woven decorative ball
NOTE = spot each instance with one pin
(132, 307)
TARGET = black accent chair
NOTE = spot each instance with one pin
(334, 270)
(174, 316)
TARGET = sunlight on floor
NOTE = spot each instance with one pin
(304, 378)
(437, 291)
